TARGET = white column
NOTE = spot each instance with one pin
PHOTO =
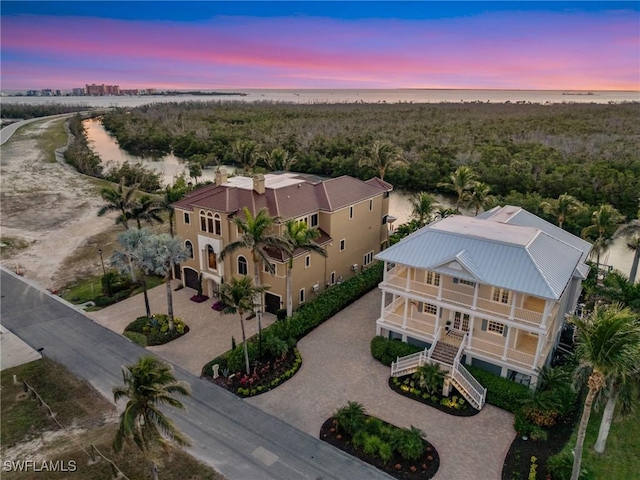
(440, 288)
(384, 273)
(407, 287)
(538, 350)
(548, 306)
(513, 305)
(437, 324)
(384, 297)
(507, 342)
(475, 296)
(404, 318)
(472, 321)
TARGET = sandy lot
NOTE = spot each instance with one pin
(48, 206)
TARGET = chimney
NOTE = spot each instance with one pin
(258, 184)
(221, 176)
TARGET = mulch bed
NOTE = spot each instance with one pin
(466, 411)
(518, 460)
(424, 468)
(199, 298)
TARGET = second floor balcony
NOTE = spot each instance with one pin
(486, 299)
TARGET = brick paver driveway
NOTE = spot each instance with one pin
(337, 367)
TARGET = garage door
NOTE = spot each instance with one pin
(271, 303)
(191, 278)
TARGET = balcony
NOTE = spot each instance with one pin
(403, 278)
(421, 323)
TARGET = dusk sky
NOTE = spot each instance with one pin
(227, 45)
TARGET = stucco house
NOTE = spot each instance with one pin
(350, 215)
(491, 291)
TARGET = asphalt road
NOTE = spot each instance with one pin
(238, 440)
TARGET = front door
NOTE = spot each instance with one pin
(461, 321)
(191, 278)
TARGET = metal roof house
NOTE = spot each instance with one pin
(490, 291)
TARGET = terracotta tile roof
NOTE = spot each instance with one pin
(290, 195)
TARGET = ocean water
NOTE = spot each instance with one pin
(311, 96)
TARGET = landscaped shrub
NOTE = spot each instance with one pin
(218, 305)
(561, 465)
(235, 360)
(156, 328)
(281, 313)
(408, 442)
(522, 425)
(386, 351)
(136, 337)
(350, 418)
(501, 392)
(115, 282)
(430, 377)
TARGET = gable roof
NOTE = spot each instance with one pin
(520, 258)
(287, 195)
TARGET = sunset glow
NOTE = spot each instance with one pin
(550, 46)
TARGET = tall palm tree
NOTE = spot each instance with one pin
(245, 152)
(238, 296)
(130, 257)
(257, 237)
(608, 340)
(278, 159)
(462, 181)
(423, 206)
(561, 208)
(146, 209)
(623, 387)
(382, 156)
(605, 220)
(299, 237)
(634, 246)
(148, 384)
(118, 200)
(159, 255)
(172, 194)
(479, 197)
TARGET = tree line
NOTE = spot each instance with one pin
(588, 151)
(26, 111)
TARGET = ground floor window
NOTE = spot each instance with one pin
(495, 327)
(302, 295)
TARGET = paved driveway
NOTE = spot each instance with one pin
(337, 367)
(210, 331)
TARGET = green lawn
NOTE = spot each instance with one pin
(621, 459)
(88, 288)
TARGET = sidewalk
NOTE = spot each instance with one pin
(209, 334)
(14, 351)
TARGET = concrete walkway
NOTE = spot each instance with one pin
(210, 331)
(337, 367)
(13, 351)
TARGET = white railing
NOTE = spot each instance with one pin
(459, 298)
(393, 318)
(469, 384)
(410, 361)
(433, 345)
(487, 347)
(522, 358)
(463, 345)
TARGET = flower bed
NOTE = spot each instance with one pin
(156, 328)
(199, 298)
(454, 404)
(266, 375)
(399, 452)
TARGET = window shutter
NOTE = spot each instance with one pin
(440, 312)
(504, 332)
(420, 307)
(484, 325)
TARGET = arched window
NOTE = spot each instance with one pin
(211, 256)
(203, 221)
(217, 224)
(210, 222)
(189, 246)
(242, 265)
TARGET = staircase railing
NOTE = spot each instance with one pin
(414, 360)
(472, 387)
(463, 345)
(435, 341)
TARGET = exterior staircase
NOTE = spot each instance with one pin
(448, 357)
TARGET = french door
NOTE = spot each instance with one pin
(461, 321)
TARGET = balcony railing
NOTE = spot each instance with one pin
(497, 351)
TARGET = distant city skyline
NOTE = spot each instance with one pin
(318, 45)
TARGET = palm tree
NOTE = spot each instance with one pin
(172, 194)
(605, 220)
(382, 156)
(562, 207)
(608, 341)
(245, 152)
(462, 180)
(195, 170)
(146, 209)
(159, 255)
(299, 237)
(616, 288)
(634, 246)
(118, 200)
(479, 197)
(278, 159)
(148, 384)
(257, 236)
(239, 296)
(423, 206)
(130, 257)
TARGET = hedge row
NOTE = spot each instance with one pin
(501, 392)
(386, 351)
(317, 311)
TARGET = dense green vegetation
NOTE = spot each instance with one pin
(540, 151)
(26, 111)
